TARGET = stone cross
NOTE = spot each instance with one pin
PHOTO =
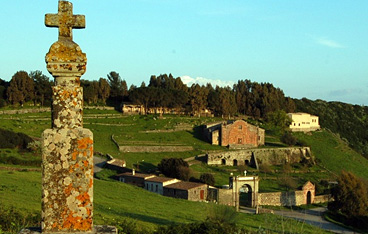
(65, 20)
(67, 148)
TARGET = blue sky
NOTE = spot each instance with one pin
(314, 49)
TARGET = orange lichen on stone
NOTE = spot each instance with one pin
(83, 143)
(84, 198)
(77, 223)
(90, 183)
(74, 155)
(68, 190)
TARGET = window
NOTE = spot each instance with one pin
(151, 187)
(156, 188)
(240, 141)
(240, 127)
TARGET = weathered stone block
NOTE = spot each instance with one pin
(67, 166)
(67, 107)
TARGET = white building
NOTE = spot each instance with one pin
(156, 184)
(303, 122)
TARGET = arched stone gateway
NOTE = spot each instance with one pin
(244, 190)
(309, 191)
(309, 197)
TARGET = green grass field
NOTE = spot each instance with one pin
(114, 201)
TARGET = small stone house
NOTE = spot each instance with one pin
(117, 165)
(303, 122)
(187, 190)
(237, 133)
(134, 178)
(156, 184)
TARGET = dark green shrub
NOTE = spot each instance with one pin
(288, 138)
(12, 221)
(207, 178)
(175, 168)
(9, 139)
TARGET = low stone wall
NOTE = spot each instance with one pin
(225, 197)
(322, 198)
(271, 156)
(24, 111)
(294, 198)
(139, 149)
(48, 109)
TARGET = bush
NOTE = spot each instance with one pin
(12, 221)
(9, 139)
(288, 139)
(265, 168)
(288, 183)
(350, 196)
(174, 167)
(207, 178)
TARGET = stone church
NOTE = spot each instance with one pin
(236, 134)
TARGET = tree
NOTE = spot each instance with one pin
(90, 91)
(207, 178)
(350, 196)
(21, 88)
(3, 87)
(279, 120)
(103, 90)
(198, 98)
(118, 87)
(42, 87)
(174, 167)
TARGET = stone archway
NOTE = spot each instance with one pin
(245, 195)
(235, 162)
(309, 197)
(223, 161)
(244, 184)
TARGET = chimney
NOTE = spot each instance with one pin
(133, 172)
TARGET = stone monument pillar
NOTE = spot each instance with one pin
(67, 154)
(67, 148)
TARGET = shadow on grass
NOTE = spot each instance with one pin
(198, 133)
(145, 167)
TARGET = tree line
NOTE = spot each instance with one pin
(163, 91)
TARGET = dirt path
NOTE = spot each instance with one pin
(314, 217)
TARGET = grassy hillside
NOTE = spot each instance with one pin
(350, 121)
(334, 153)
(115, 202)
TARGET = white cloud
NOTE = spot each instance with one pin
(327, 42)
(203, 81)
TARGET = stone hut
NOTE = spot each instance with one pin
(118, 165)
(236, 134)
(187, 190)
